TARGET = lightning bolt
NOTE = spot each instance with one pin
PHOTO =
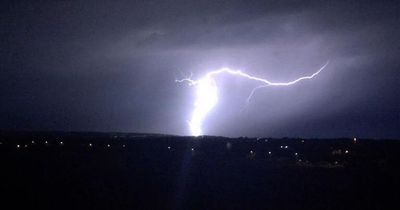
(207, 93)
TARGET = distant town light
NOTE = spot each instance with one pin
(355, 140)
(26, 145)
(228, 145)
(269, 153)
(90, 145)
(108, 145)
(192, 149)
(123, 145)
(296, 153)
(169, 147)
(347, 151)
(251, 152)
(33, 142)
(281, 147)
(286, 147)
(46, 142)
(18, 146)
(61, 142)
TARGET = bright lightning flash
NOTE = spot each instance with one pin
(207, 93)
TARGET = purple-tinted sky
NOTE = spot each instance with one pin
(112, 65)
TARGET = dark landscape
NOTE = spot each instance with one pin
(59, 170)
(227, 80)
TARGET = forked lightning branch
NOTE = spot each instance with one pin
(207, 93)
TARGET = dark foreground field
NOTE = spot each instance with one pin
(119, 171)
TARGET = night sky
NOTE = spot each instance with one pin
(84, 65)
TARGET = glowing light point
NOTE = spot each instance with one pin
(228, 145)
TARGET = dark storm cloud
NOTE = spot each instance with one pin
(82, 65)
